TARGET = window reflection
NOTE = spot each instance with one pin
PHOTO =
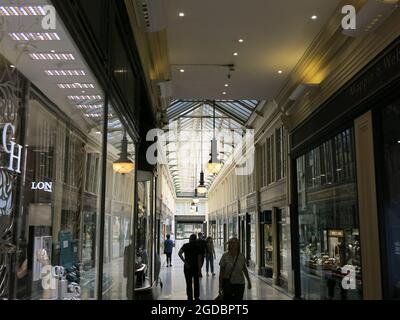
(328, 221)
(120, 196)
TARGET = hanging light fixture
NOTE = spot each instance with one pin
(214, 165)
(196, 197)
(201, 188)
(123, 165)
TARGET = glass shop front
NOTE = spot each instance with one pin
(329, 237)
(51, 169)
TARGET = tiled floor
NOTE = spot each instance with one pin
(174, 285)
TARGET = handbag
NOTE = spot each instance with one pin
(226, 283)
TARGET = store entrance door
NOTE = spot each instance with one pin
(266, 240)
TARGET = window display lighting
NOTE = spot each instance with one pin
(22, 11)
(34, 36)
(52, 56)
(75, 85)
(65, 72)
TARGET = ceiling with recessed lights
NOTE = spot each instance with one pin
(274, 33)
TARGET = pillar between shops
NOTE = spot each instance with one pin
(368, 211)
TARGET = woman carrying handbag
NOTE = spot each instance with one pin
(233, 270)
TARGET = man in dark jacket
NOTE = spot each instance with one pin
(191, 256)
(168, 247)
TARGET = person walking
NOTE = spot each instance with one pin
(191, 256)
(210, 255)
(168, 247)
(232, 272)
(201, 242)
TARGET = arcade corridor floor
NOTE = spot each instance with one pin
(174, 286)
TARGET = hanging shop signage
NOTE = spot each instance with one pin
(13, 149)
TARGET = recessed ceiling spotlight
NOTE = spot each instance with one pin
(83, 91)
(280, 71)
(53, 51)
(235, 54)
(224, 93)
(182, 70)
(12, 66)
(241, 40)
(314, 17)
(181, 14)
(398, 141)
(226, 85)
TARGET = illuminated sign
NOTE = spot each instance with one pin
(45, 186)
(14, 150)
(336, 233)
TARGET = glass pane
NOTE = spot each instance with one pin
(61, 199)
(268, 249)
(328, 221)
(144, 248)
(284, 245)
(391, 194)
(119, 208)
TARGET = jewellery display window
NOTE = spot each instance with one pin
(330, 263)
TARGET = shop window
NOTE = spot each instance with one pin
(59, 209)
(120, 200)
(390, 167)
(267, 247)
(279, 153)
(284, 240)
(329, 236)
(270, 160)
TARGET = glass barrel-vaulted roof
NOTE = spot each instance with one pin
(239, 110)
(191, 122)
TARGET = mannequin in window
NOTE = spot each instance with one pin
(356, 253)
(341, 251)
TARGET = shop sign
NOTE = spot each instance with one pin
(336, 233)
(12, 149)
(45, 186)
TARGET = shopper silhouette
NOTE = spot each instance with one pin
(191, 256)
(201, 242)
(210, 255)
(232, 272)
(168, 247)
